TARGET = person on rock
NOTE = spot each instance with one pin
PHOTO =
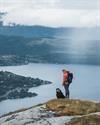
(65, 82)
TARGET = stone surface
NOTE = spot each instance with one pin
(56, 112)
(34, 116)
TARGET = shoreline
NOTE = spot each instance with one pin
(18, 60)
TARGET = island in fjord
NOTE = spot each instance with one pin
(14, 86)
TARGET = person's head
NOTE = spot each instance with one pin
(64, 70)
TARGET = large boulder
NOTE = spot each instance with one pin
(85, 120)
(72, 107)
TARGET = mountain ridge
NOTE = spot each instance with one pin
(42, 31)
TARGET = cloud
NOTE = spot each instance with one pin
(53, 17)
(54, 13)
(58, 4)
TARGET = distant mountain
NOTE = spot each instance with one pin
(24, 44)
(31, 31)
(41, 31)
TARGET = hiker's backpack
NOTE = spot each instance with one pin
(70, 77)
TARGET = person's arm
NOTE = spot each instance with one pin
(65, 78)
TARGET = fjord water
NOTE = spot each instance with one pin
(85, 83)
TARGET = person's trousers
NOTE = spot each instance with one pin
(66, 86)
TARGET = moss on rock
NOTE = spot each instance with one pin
(85, 120)
(72, 107)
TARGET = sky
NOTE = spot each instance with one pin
(53, 13)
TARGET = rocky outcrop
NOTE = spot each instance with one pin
(48, 114)
(85, 120)
(72, 107)
(34, 116)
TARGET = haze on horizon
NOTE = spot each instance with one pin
(53, 13)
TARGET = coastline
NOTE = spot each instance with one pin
(14, 86)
